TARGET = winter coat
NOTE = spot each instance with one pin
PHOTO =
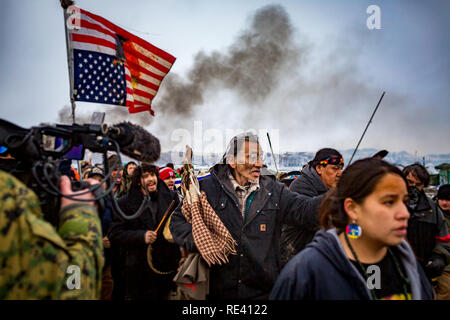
(251, 273)
(106, 223)
(140, 281)
(322, 271)
(427, 231)
(294, 239)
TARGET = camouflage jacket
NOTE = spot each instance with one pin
(39, 262)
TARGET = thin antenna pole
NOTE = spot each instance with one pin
(366, 127)
(273, 155)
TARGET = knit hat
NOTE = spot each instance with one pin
(444, 192)
(327, 156)
(166, 172)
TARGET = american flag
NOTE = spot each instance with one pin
(113, 66)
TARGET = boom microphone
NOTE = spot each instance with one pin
(18, 140)
(135, 142)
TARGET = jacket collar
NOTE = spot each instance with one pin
(423, 203)
(265, 191)
(406, 256)
(314, 179)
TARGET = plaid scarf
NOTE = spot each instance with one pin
(212, 238)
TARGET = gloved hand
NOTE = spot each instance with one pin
(435, 266)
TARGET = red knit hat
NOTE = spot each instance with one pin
(166, 172)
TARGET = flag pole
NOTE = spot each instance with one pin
(66, 4)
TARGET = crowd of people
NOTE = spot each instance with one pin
(366, 232)
(126, 273)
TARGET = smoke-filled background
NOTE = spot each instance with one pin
(308, 72)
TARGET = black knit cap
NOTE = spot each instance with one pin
(324, 154)
(444, 192)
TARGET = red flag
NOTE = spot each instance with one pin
(145, 65)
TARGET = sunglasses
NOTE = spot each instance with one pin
(334, 161)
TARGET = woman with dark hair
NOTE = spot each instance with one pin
(360, 253)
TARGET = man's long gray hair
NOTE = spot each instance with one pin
(235, 145)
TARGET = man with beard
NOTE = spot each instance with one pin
(317, 177)
(134, 237)
(427, 230)
(168, 176)
(252, 207)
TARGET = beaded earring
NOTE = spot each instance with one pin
(353, 230)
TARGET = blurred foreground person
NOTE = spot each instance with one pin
(37, 260)
(362, 253)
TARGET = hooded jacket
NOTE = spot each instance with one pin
(294, 239)
(252, 272)
(322, 271)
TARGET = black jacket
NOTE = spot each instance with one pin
(294, 239)
(322, 271)
(427, 231)
(140, 281)
(252, 272)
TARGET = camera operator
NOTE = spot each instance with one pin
(39, 261)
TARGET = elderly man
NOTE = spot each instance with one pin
(317, 177)
(252, 207)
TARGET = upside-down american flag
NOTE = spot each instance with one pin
(113, 66)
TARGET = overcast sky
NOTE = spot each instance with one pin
(320, 91)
